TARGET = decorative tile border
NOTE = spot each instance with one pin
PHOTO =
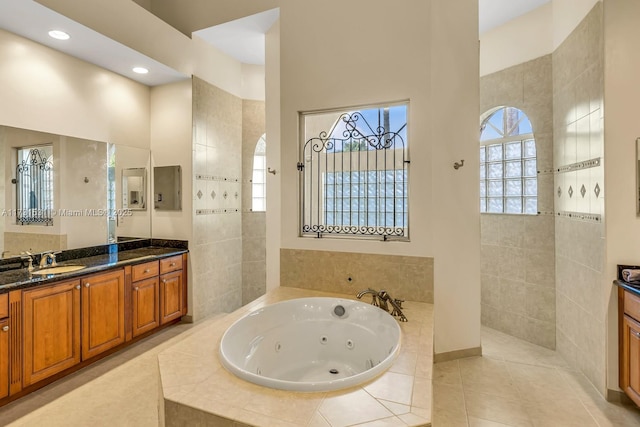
(201, 177)
(580, 165)
(215, 211)
(581, 216)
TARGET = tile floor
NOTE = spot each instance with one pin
(514, 384)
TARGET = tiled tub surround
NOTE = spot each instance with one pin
(517, 251)
(196, 390)
(404, 277)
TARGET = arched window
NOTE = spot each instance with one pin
(259, 179)
(508, 170)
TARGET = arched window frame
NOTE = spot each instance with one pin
(508, 163)
(259, 177)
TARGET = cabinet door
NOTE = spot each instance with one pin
(170, 296)
(51, 330)
(4, 358)
(102, 312)
(146, 301)
(631, 359)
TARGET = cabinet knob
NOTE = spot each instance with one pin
(77, 286)
(86, 285)
(173, 264)
(147, 271)
(136, 288)
(164, 281)
(637, 334)
(5, 328)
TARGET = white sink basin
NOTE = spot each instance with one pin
(59, 269)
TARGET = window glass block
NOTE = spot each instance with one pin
(483, 205)
(339, 190)
(389, 219)
(401, 205)
(483, 154)
(531, 187)
(329, 204)
(495, 170)
(258, 204)
(355, 205)
(483, 171)
(513, 150)
(495, 205)
(329, 218)
(529, 148)
(258, 176)
(259, 162)
(388, 205)
(495, 152)
(514, 205)
(514, 187)
(483, 189)
(400, 189)
(330, 178)
(372, 176)
(496, 188)
(372, 205)
(389, 190)
(346, 205)
(390, 175)
(531, 205)
(513, 169)
(530, 168)
(346, 178)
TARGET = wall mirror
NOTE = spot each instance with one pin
(167, 185)
(638, 176)
(82, 202)
(134, 188)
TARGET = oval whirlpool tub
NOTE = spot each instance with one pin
(311, 344)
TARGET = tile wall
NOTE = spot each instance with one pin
(404, 277)
(216, 249)
(518, 251)
(254, 275)
(578, 71)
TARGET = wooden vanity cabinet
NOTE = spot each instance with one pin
(171, 289)
(51, 340)
(102, 312)
(4, 345)
(145, 296)
(629, 307)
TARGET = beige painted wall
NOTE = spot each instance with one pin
(522, 39)
(40, 92)
(621, 128)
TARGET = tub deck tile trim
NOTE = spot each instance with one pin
(195, 386)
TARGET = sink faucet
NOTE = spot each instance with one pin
(382, 299)
(27, 257)
(48, 259)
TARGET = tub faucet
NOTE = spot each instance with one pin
(374, 296)
(382, 299)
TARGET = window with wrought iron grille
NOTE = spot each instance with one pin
(354, 177)
(508, 166)
(34, 186)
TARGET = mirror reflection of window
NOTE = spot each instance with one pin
(34, 185)
(259, 178)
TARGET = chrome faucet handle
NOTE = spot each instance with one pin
(398, 302)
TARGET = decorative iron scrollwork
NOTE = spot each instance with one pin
(354, 179)
(34, 177)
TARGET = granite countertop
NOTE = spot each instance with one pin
(634, 288)
(21, 278)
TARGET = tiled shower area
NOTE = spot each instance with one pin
(542, 274)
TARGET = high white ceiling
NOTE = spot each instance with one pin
(242, 39)
(494, 13)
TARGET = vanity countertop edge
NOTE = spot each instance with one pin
(11, 280)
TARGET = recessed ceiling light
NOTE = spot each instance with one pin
(59, 35)
(140, 70)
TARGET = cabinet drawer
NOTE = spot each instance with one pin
(4, 305)
(632, 305)
(171, 264)
(144, 271)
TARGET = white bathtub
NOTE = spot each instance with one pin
(311, 344)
